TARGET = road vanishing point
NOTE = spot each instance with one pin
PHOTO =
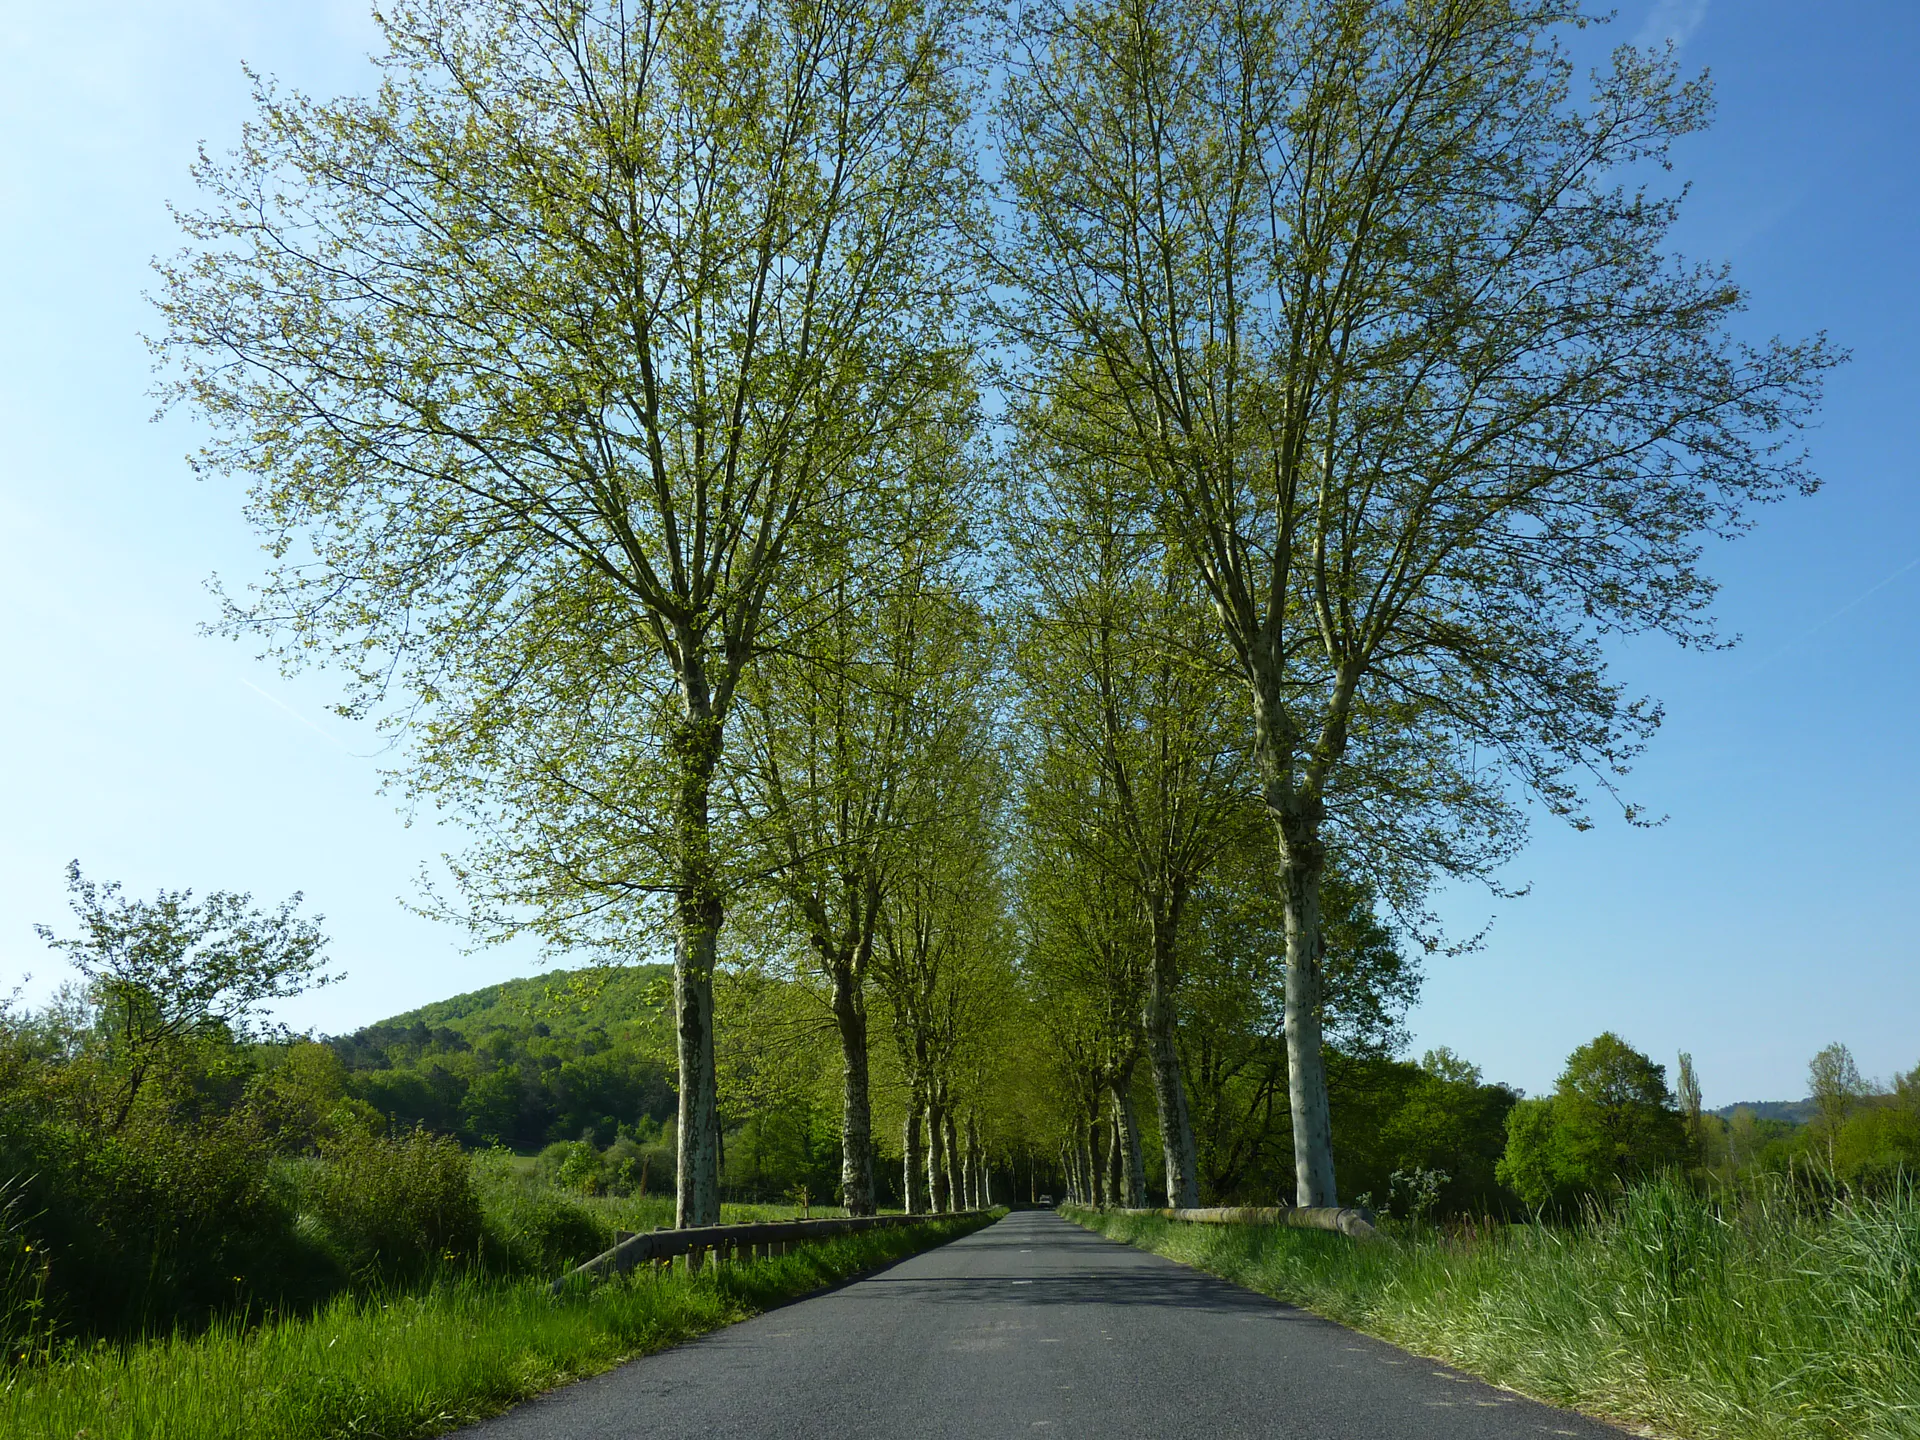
(1035, 1327)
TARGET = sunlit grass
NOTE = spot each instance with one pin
(463, 1348)
(1751, 1320)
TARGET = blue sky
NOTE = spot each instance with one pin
(1771, 914)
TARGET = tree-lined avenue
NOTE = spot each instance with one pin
(1034, 1326)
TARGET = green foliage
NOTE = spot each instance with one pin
(532, 1228)
(1750, 1319)
(1531, 1166)
(532, 1061)
(23, 1280)
(1611, 1119)
(158, 1223)
(168, 977)
(1434, 1119)
(1878, 1146)
(397, 1206)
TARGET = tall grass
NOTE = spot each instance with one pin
(1755, 1318)
(465, 1346)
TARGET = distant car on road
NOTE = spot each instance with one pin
(1046, 1202)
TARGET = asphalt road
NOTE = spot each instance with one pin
(1034, 1327)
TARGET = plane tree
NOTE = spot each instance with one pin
(545, 356)
(1135, 757)
(838, 724)
(1388, 320)
(1085, 954)
(941, 962)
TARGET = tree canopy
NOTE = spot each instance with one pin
(1075, 616)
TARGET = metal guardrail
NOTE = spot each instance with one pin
(734, 1242)
(1346, 1219)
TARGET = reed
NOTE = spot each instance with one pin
(1756, 1316)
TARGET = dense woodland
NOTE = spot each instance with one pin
(975, 678)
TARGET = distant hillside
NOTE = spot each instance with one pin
(546, 1057)
(566, 1001)
(1799, 1112)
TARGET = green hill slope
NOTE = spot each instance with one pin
(566, 1001)
(566, 1055)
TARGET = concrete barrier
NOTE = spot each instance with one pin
(732, 1242)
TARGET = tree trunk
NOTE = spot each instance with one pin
(976, 1168)
(973, 1164)
(938, 1196)
(1114, 1176)
(695, 746)
(1163, 1056)
(1303, 862)
(856, 1114)
(1127, 1128)
(963, 1172)
(1098, 1146)
(914, 1197)
(955, 1195)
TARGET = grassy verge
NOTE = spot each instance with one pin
(412, 1364)
(1753, 1320)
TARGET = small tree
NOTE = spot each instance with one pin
(1692, 1107)
(1836, 1086)
(167, 973)
(1611, 1119)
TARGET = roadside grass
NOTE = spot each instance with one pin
(1751, 1318)
(463, 1347)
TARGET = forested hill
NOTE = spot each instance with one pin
(1797, 1112)
(568, 1002)
(542, 1058)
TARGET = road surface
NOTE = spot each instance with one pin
(1034, 1327)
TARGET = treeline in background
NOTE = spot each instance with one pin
(167, 1158)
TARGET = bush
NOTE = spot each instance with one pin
(397, 1207)
(23, 1279)
(530, 1227)
(1877, 1147)
(158, 1225)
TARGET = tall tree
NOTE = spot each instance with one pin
(840, 725)
(1085, 952)
(1388, 322)
(1137, 763)
(941, 962)
(1835, 1085)
(571, 329)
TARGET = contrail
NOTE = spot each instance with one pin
(276, 701)
(1818, 626)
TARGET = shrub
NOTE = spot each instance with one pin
(580, 1169)
(397, 1206)
(1877, 1146)
(531, 1228)
(158, 1225)
(23, 1279)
